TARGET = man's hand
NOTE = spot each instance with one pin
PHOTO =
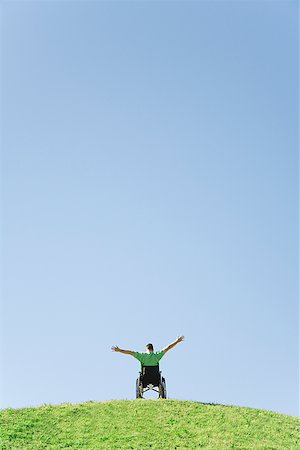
(180, 339)
(115, 348)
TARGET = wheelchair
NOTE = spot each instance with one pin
(149, 379)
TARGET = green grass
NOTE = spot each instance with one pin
(145, 424)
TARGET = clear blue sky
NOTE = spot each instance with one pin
(150, 189)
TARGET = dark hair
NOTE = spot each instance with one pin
(149, 347)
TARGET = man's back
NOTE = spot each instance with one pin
(149, 359)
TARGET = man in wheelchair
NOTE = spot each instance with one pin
(150, 375)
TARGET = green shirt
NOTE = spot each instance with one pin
(149, 359)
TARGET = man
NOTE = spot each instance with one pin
(149, 358)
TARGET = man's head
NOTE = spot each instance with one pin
(149, 348)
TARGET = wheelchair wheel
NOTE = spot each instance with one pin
(138, 393)
(162, 388)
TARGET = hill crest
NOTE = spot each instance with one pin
(144, 424)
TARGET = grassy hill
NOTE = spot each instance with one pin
(145, 424)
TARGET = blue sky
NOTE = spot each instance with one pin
(150, 189)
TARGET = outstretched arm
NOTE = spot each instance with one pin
(115, 348)
(168, 347)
